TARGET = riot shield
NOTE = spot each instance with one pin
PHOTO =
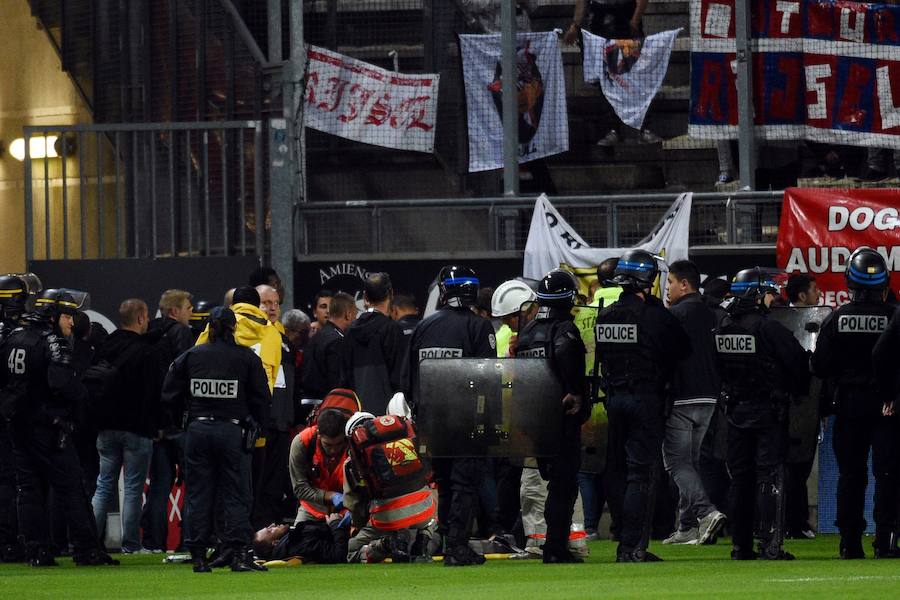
(504, 407)
(804, 323)
(594, 431)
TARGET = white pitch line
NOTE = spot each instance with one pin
(851, 578)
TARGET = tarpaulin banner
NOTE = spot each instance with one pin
(541, 98)
(823, 70)
(630, 72)
(820, 228)
(361, 102)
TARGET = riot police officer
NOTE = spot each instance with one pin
(638, 344)
(454, 331)
(40, 396)
(200, 316)
(761, 365)
(843, 359)
(553, 335)
(224, 387)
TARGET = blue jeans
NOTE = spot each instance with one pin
(120, 449)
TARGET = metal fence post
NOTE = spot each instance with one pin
(510, 109)
(29, 209)
(746, 135)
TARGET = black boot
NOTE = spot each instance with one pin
(400, 550)
(555, 556)
(243, 562)
(420, 551)
(741, 553)
(93, 558)
(461, 555)
(851, 548)
(13, 553)
(198, 557)
(885, 544)
(40, 556)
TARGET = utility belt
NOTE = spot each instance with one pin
(630, 386)
(729, 399)
(250, 430)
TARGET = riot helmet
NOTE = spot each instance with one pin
(17, 293)
(636, 269)
(200, 315)
(866, 270)
(557, 289)
(458, 286)
(754, 283)
(54, 302)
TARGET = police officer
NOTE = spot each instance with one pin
(638, 344)
(553, 335)
(40, 395)
(454, 331)
(761, 364)
(223, 385)
(200, 316)
(843, 358)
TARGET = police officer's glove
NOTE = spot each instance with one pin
(572, 404)
(337, 500)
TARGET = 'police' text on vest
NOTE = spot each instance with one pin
(862, 323)
(214, 388)
(616, 334)
(736, 344)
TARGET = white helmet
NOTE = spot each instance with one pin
(509, 297)
(356, 420)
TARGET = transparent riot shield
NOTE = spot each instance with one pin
(805, 323)
(505, 407)
(594, 431)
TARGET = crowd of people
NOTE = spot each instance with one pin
(296, 436)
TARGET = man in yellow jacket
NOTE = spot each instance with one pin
(254, 331)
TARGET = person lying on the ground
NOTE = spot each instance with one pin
(323, 542)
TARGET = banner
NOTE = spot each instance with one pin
(543, 120)
(552, 242)
(823, 70)
(630, 72)
(361, 102)
(820, 228)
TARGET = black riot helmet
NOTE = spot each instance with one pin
(200, 315)
(17, 293)
(557, 289)
(866, 270)
(636, 269)
(754, 283)
(458, 287)
(54, 302)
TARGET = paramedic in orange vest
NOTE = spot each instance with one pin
(395, 525)
(317, 466)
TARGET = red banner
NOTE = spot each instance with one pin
(820, 228)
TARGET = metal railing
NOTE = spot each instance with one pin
(497, 226)
(142, 190)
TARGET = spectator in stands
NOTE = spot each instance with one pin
(128, 420)
(320, 307)
(296, 328)
(323, 359)
(374, 350)
(611, 19)
(877, 166)
(271, 482)
(173, 336)
(267, 276)
(317, 467)
(802, 291)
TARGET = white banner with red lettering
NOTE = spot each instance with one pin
(541, 98)
(361, 102)
(820, 228)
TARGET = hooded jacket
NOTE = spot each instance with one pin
(254, 331)
(374, 352)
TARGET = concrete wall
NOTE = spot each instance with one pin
(33, 91)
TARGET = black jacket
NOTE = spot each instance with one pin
(373, 360)
(284, 396)
(314, 541)
(449, 333)
(885, 358)
(219, 379)
(138, 362)
(322, 368)
(173, 339)
(696, 378)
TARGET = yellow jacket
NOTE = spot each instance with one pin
(255, 332)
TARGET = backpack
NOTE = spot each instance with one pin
(339, 399)
(384, 454)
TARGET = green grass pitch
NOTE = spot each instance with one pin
(688, 572)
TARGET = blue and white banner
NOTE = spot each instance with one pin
(543, 121)
(630, 72)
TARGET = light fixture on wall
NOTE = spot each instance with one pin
(42, 147)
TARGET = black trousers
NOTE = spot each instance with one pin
(274, 483)
(755, 458)
(852, 439)
(458, 481)
(217, 473)
(9, 528)
(561, 474)
(636, 428)
(41, 463)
